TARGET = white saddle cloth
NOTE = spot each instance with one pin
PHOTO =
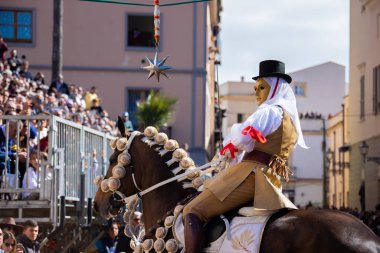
(246, 232)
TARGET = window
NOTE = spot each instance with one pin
(299, 89)
(16, 25)
(136, 96)
(376, 90)
(362, 98)
(239, 117)
(140, 31)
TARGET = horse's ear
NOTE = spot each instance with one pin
(121, 127)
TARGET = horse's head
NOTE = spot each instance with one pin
(107, 202)
(139, 164)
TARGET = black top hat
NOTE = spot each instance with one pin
(273, 68)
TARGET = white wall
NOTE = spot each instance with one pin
(308, 162)
(325, 88)
(308, 191)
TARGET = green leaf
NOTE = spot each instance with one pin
(156, 110)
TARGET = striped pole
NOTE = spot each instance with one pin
(157, 22)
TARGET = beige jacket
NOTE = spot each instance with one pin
(268, 193)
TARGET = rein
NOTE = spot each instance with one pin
(158, 185)
(179, 177)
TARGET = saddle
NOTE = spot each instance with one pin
(239, 229)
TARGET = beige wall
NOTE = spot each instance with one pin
(94, 54)
(364, 56)
(338, 171)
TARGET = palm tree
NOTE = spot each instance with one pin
(155, 111)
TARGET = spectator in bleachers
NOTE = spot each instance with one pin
(32, 177)
(9, 243)
(58, 85)
(24, 72)
(39, 78)
(9, 224)
(109, 242)
(14, 62)
(127, 123)
(12, 150)
(29, 237)
(20, 94)
(90, 96)
(3, 49)
(96, 108)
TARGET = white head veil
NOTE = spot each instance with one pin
(282, 94)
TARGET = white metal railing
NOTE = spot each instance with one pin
(73, 150)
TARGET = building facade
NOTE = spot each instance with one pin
(363, 114)
(338, 165)
(105, 45)
(319, 91)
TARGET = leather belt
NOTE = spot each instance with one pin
(258, 156)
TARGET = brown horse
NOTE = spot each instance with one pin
(288, 231)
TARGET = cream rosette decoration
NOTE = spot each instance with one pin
(159, 245)
(195, 183)
(118, 171)
(98, 180)
(150, 132)
(160, 139)
(184, 164)
(169, 221)
(193, 173)
(124, 158)
(177, 210)
(161, 232)
(113, 184)
(172, 245)
(104, 185)
(170, 145)
(147, 245)
(113, 143)
(177, 156)
(121, 144)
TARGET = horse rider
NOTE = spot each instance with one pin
(257, 150)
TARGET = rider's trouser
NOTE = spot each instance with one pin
(207, 206)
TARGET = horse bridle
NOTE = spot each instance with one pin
(121, 197)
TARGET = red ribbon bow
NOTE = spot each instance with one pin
(231, 147)
(255, 134)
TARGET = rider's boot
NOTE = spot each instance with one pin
(193, 234)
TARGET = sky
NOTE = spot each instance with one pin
(301, 33)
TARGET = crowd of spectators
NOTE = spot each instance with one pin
(25, 93)
(19, 239)
(310, 115)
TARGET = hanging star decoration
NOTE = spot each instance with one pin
(157, 67)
